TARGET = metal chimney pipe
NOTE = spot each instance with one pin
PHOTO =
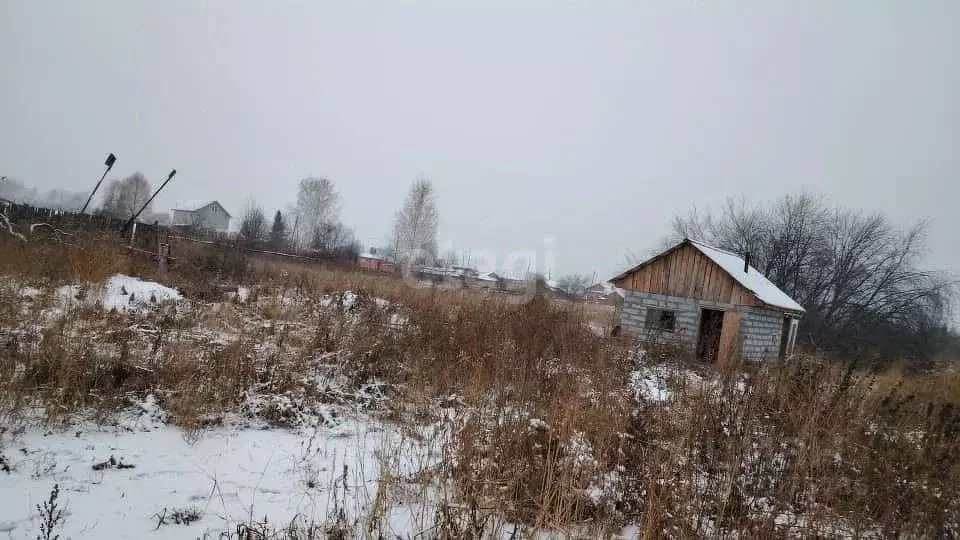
(746, 263)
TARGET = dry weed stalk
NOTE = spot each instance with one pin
(537, 424)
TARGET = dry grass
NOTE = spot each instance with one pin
(539, 424)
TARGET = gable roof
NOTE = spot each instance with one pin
(373, 255)
(197, 205)
(733, 265)
(604, 286)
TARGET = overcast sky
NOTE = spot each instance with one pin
(589, 123)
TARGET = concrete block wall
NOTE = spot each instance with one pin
(759, 329)
(760, 334)
(633, 316)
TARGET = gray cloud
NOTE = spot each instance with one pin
(590, 124)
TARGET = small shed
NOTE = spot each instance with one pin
(711, 300)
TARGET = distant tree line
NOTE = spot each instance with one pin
(311, 225)
(14, 190)
(857, 274)
(120, 199)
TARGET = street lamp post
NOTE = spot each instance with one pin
(111, 159)
(144, 207)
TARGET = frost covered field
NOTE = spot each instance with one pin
(273, 464)
(226, 477)
(272, 400)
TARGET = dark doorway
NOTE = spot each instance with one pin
(708, 342)
(784, 338)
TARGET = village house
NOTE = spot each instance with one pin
(512, 284)
(710, 300)
(597, 291)
(371, 260)
(487, 280)
(206, 215)
(602, 293)
(458, 276)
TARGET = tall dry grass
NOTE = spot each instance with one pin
(540, 424)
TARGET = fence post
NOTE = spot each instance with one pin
(163, 251)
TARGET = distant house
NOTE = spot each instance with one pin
(460, 276)
(207, 215)
(602, 293)
(488, 280)
(513, 284)
(371, 260)
(597, 292)
(710, 300)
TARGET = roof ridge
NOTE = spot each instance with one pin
(711, 246)
(754, 281)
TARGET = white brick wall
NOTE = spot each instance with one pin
(634, 313)
(759, 329)
(760, 334)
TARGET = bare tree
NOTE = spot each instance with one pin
(61, 199)
(450, 257)
(857, 275)
(14, 190)
(334, 240)
(317, 206)
(123, 198)
(573, 284)
(415, 226)
(253, 224)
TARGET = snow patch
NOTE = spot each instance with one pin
(243, 294)
(68, 296)
(121, 292)
(650, 385)
(126, 293)
(30, 292)
(227, 474)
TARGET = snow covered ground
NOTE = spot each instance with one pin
(227, 475)
(139, 476)
(121, 292)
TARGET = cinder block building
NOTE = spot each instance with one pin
(710, 300)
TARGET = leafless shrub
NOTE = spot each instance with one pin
(123, 198)
(253, 224)
(51, 515)
(178, 516)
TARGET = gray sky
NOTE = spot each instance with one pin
(591, 123)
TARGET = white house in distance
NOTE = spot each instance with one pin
(208, 215)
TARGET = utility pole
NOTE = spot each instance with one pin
(111, 159)
(134, 217)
